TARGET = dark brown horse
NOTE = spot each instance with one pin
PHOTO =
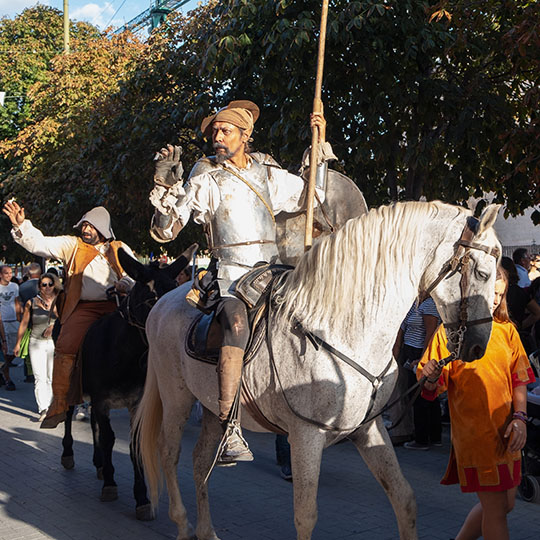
(114, 359)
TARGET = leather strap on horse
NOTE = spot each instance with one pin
(248, 243)
(317, 341)
(253, 409)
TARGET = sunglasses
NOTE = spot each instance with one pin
(46, 284)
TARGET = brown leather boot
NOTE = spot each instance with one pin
(63, 366)
(230, 364)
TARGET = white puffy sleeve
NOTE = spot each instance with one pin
(287, 191)
(34, 241)
(199, 197)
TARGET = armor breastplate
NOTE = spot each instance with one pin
(241, 218)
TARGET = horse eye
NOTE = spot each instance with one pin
(484, 276)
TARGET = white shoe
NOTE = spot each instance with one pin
(235, 447)
(82, 412)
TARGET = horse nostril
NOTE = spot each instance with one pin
(476, 352)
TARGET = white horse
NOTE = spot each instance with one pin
(351, 290)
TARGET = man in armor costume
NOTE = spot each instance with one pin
(235, 195)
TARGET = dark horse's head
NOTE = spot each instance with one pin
(151, 283)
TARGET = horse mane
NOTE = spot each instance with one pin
(352, 270)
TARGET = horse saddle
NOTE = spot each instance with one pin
(204, 337)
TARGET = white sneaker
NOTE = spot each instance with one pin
(82, 412)
(235, 448)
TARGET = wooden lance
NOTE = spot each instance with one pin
(317, 107)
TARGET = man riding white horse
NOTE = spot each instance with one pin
(235, 196)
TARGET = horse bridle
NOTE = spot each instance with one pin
(460, 262)
(126, 312)
(455, 331)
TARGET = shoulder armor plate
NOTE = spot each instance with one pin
(265, 159)
(204, 165)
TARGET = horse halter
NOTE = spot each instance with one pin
(460, 262)
(126, 310)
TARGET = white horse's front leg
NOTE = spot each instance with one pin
(375, 447)
(203, 455)
(307, 444)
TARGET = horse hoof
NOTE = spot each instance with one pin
(189, 534)
(68, 462)
(213, 536)
(109, 493)
(99, 473)
(144, 512)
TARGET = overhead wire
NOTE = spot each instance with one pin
(115, 13)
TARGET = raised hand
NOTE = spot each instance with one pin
(14, 212)
(169, 168)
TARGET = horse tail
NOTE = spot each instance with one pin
(148, 421)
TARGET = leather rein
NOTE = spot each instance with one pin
(459, 262)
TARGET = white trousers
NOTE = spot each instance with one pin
(41, 357)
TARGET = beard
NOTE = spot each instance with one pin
(223, 156)
(91, 239)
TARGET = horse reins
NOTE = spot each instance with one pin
(459, 262)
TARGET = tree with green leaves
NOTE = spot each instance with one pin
(423, 98)
(28, 43)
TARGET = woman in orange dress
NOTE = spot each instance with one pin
(488, 412)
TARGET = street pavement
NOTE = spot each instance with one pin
(39, 499)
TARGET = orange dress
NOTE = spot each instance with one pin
(480, 401)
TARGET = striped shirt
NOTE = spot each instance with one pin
(414, 331)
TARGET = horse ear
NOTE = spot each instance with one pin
(488, 217)
(134, 269)
(182, 262)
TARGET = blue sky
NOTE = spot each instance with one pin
(101, 13)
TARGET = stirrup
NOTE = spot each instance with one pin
(233, 447)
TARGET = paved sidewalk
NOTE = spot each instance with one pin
(39, 499)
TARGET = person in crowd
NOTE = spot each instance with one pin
(535, 294)
(283, 457)
(522, 260)
(488, 415)
(40, 314)
(10, 312)
(524, 311)
(92, 267)
(30, 287)
(534, 272)
(414, 334)
(184, 276)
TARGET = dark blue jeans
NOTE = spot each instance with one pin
(283, 450)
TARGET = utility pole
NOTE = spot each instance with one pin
(66, 26)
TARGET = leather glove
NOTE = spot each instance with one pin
(168, 169)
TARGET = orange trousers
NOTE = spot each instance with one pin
(75, 328)
(66, 383)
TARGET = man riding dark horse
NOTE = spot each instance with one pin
(91, 267)
(235, 195)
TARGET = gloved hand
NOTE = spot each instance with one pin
(169, 168)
